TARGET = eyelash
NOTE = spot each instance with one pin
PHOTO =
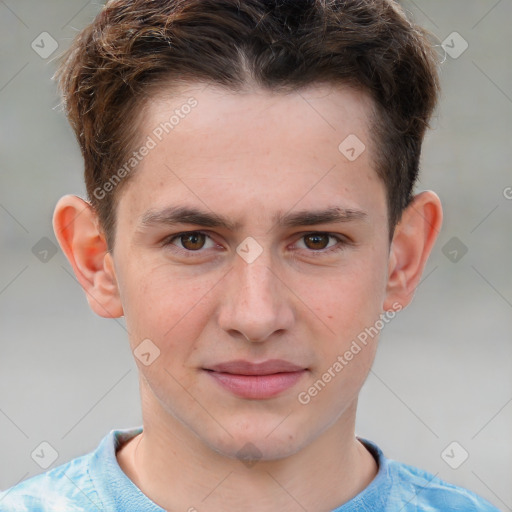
(342, 243)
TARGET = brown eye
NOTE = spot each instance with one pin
(192, 241)
(316, 241)
(189, 242)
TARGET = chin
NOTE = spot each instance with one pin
(257, 444)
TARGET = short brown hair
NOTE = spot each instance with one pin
(135, 46)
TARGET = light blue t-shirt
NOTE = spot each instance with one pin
(96, 482)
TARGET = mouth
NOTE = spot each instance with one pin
(256, 381)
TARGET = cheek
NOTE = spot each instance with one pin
(164, 307)
(350, 299)
(350, 304)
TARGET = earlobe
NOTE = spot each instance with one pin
(77, 229)
(412, 244)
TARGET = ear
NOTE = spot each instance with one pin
(79, 234)
(412, 243)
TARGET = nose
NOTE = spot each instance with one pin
(256, 303)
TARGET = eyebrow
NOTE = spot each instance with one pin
(190, 215)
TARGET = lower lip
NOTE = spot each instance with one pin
(257, 387)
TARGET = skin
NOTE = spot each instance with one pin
(249, 156)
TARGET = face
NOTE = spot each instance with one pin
(246, 234)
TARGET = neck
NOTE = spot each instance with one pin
(178, 471)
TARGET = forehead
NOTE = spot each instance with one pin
(255, 149)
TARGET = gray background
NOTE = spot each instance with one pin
(443, 370)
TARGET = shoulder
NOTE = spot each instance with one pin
(424, 491)
(86, 483)
(399, 486)
(67, 487)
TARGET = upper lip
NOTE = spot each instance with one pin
(241, 367)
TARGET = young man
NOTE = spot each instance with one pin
(250, 168)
